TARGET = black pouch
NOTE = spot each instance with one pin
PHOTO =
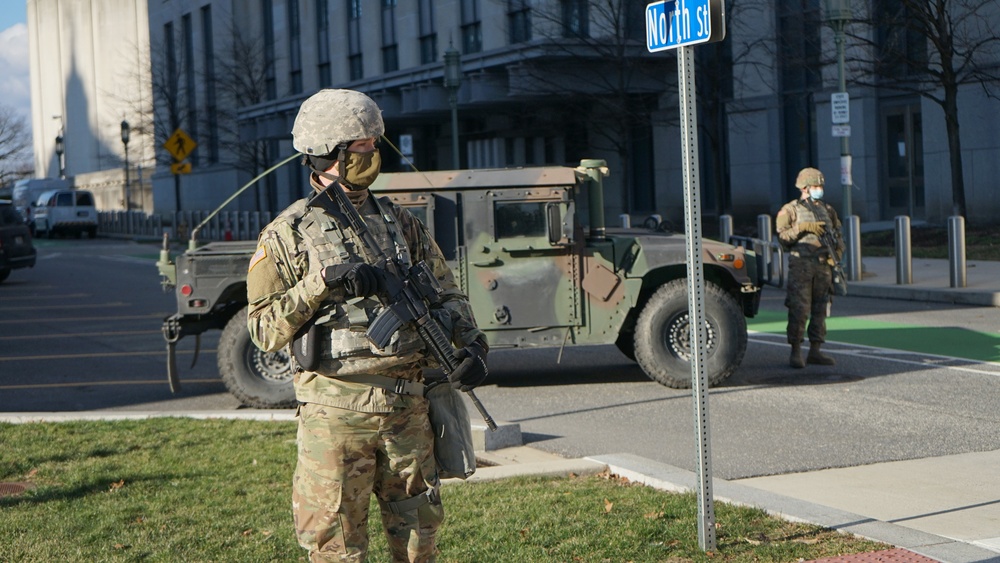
(305, 347)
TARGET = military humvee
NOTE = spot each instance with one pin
(536, 276)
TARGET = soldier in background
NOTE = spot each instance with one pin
(801, 223)
(363, 425)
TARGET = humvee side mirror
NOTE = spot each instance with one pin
(559, 234)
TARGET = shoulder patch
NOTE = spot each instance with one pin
(257, 257)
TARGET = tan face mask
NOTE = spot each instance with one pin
(361, 169)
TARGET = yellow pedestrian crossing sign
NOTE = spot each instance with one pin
(180, 168)
(180, 145)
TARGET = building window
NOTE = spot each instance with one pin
(472, 33)
(575, 19)
(190, 85)
(294, 48)
(390, 55)
(902, 49)
(428, 37)
(208, 61)
(799, 32)
(354, 62)
(518, 21)
(323, 43)
(270, 80)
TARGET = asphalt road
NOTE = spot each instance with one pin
(81, 332)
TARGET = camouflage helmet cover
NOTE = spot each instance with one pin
(809, 177)
(329, 118)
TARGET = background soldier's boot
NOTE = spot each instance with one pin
(795, 360)
(817, 357)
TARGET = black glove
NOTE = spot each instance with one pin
(357, 278)
(472, 371)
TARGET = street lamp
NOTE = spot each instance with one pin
(126, 130)
(452, 80)
(59, 155)
(838, 14)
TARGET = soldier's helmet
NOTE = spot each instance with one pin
(329, 118)
(809, 177)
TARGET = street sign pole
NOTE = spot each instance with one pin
(696, 292)
(681, 24)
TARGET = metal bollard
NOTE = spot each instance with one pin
(725, 227)
(853, 251)
(764, 231)
(904, 251)
(956, 250)
(626, 220)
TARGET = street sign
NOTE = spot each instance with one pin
(180, 145)
(678, 23)
(841, 130)
(840, 107)
(180, 168)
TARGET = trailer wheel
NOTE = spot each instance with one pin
(259, 379)
(662, 341)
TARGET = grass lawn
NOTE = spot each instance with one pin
(174, 489)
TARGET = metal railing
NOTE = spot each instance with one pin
(225, 225)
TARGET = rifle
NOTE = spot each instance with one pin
(406, 292)
(837, 270)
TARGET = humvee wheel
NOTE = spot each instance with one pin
(662, 343)
(258, 379)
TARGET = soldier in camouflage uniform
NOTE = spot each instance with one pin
(800, 224)
(363, 425)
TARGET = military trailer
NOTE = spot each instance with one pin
(530, 248)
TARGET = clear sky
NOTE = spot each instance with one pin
(15, 83)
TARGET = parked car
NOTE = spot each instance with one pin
(16, 249)
(65, 212)
(27, 191)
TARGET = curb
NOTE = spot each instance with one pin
(670, 478)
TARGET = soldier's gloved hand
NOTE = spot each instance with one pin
(357, 278)
(472, 371)
(814, 227)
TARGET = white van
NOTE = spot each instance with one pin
(27, 191)
(65, 212)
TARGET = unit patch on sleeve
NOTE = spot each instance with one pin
(257, 257)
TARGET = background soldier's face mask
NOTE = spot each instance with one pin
(361, 169)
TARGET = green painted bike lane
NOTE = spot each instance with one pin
(955, 342)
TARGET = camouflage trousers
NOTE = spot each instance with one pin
(809, 295)
(346, 456)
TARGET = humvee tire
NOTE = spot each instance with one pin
(262, 380)
(662, 345)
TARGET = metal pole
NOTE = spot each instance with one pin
(453, 99)
(696, 292)
(725, 227)
(956, 250)
(904, 251)
(125, 187)
(846, 180)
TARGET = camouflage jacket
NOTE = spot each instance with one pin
(794, 238)
(286, 290)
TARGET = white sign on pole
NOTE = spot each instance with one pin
(840, 107)
(677, 23)
(841, 130)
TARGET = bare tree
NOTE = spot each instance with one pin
(932, 48)
(595, 60)
(15, 141)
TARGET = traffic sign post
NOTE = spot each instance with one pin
(180, 145)
(681, 24)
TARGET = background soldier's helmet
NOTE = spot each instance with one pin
(809, 177)
(331, 117)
